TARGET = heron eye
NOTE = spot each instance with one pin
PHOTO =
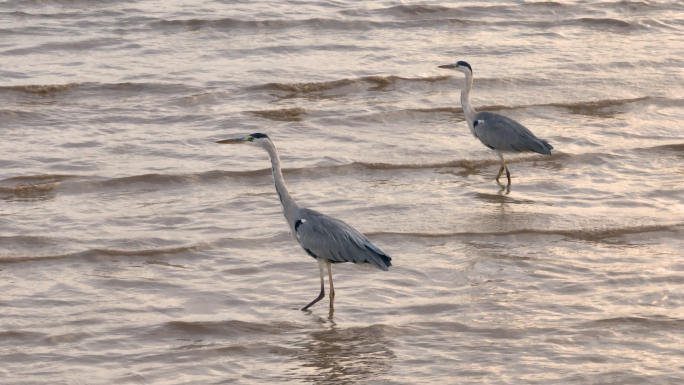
(250, 139)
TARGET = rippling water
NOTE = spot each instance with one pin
(134, 250)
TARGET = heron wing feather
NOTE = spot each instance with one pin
(331, 238)
(505, 134)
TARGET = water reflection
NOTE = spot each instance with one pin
(345, 355)
(506, 187)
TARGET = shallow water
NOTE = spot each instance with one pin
(134, 250)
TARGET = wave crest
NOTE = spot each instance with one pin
(283, 115)
(595, 235)
(41, 89)
(107, 252)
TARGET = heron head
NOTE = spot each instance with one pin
(459, 66)
(255, 138)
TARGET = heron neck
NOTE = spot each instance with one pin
(287, 203)
(468, 109)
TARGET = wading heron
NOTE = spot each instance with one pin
(326, 239)
(495, 131)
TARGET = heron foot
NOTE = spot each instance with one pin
(320, 297)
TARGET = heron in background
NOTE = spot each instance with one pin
(326, 239)
(495, 131)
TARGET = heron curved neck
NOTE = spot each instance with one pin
(287, 203)
(468, 109)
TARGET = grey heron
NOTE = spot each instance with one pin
(497, 132)
(326, 239)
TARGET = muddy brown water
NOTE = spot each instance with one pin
(133, 250)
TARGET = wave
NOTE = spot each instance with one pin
(609, 24)
(521, 10)
(73, 184)
(593, 108)
(581, 234)
(18, 335)
(659, 323)
(379, 82)
(293, 114)
(51, 89)
(41, 89)
(596, 108)
(491, 10)
(591, 235)
(375, 82)
(640, 6)
(29, 192)
(40, 177)
(9, 115)
(107, 252)
(223, 328)
(600, 108)
(580, 108)
(316, 23)
(32, 187)
(217, 175)
(82, 45)
(669, 147)
(164, 179)
(42, 3)
(602, 22)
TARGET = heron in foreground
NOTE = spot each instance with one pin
(495, 131)
(326, 239)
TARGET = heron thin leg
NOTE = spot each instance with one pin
(499, 174)
(502, 168)
(321, 262)
(332, 289)
(508, 175)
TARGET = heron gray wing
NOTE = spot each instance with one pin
(505, 134)
(326, 237)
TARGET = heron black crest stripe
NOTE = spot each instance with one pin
(464, 64)
(258, 135)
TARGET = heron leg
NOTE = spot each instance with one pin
(508, 175)
(499, 174)
(503, 167)
(332, 289)
(321, 263)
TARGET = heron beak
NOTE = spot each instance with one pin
(448, 66)
(232, 141)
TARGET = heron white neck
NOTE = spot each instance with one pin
(468, 109)
(287, 203)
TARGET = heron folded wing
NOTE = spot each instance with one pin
(335, 240)
(505, 134)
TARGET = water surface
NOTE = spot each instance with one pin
(133, 250)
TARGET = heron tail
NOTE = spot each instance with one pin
(540, 146)
(378, 257)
